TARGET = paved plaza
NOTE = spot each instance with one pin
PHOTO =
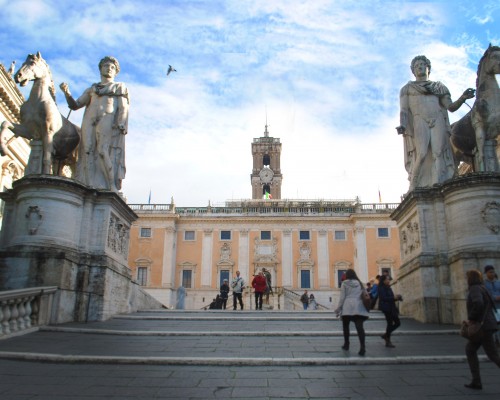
(240, 355)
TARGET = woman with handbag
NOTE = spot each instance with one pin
(351, 308)
(480, 310)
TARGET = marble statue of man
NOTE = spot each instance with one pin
(101, 156)
(425, 126)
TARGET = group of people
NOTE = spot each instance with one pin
(308, 301)
(261, 283)
(483, 306)
(351, 307)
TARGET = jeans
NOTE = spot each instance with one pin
(393, 323)
(490, 349)
(305, 305)
(258, 300)
(237, 297)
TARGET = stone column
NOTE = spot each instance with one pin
(323, 260)
(361, 259)
(287, 259)
(206, 258)
(168, 267)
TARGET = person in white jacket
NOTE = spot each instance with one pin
(351, 308)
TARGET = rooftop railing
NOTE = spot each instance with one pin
(270, 207)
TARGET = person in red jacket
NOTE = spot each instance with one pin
(259, 283)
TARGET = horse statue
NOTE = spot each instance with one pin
(41, 119)
(474, 136)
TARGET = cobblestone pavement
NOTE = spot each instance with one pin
(237, 355)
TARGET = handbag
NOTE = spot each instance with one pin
(472, 330)
(366, 299)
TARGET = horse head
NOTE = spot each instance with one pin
(489, 63)
(33, 68)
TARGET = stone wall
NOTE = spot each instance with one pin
(445, 231)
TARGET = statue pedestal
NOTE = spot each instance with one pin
(445, 231)
(58, 232)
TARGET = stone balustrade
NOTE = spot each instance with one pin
(24, 309)
(271, 207)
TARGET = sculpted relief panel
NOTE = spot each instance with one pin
(266, 250)
(491, 216)
(118, 235)
(410, 237)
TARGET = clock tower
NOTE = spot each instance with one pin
(266, 172)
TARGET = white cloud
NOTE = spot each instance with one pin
(328, 72)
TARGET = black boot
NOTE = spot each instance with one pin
(474, 385)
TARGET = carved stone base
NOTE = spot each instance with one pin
(445, 231)
(57, 232)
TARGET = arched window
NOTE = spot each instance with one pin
(266, 160)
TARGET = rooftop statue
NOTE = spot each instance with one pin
(41, 120)
(474, 135)
(425, 127)
(101, 155)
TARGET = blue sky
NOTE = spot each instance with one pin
(326, 72)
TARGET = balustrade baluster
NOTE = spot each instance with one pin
(6, 317)
(21, 312)
(27, 315)
(14, 314)
(35, 306)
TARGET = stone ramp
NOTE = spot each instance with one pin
(258, 355)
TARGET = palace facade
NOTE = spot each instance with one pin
(14, 162)
(305, 245)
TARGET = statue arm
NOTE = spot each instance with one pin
(72, 103)
(404, 111)
(454, 106)
(121, 116)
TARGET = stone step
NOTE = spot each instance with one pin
(233, 338)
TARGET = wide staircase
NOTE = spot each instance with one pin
(236, 354)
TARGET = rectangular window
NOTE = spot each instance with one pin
(339, 235)
(142, 276)
(187, 278)
(145, 232)
(340, 276)
(225, 235)
(383, 232)
(305, 279)
(224, 274)
(304, 235)
(265, 235)
(387, 271)
(189, 235)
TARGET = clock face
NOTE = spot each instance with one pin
(266, 175)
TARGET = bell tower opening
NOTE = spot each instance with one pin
(266, 160)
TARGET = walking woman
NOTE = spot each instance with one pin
(351, 308)
(387, 304)
(480, 307)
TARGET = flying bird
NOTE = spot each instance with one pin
(12, 67)
(170, 69)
